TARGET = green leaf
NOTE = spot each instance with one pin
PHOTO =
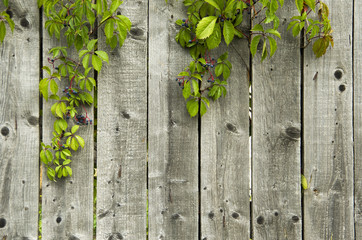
(114, 6)
(291, 24)
(230, 6)
(74, 144)
(272, 45)
(85, 61)
(195, 86)
(214, 4)
(2, 31)
(254, 44)
(205, 27)
(203, 108)
(6, 3)
(228, 32)
(320, 47)
(258, 27)
(109, 28)
(226, 72)
(192, 107)
(219, 69)
(304, 182)
(184, 73)
(74, 129)
(91, 44)
(311, 4)
(69, 170)
(214, 40)
(126, 22)
(10, 22)
(103, 55)
(274, 32)
(186, 92)
(299, 4)
(51, 173)
(281, 2)
(53, 86)
(80, 140)
(96, 62)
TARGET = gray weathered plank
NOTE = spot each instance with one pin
(19, 118)
(357, 84)
(328, 146)
(173, 135)
(276, 192)
(225, 167)
(67, 205)
(122, 133)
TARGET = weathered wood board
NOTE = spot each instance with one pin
(225, 167)
(67, 205)
(173, 165)
(328, 145)
(276, 124)
(122, 132)
(357, 113)
(19, 124)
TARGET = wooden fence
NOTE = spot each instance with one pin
(163, 175)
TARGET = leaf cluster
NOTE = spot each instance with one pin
(5, 19)
(210, 22)
(77, 21)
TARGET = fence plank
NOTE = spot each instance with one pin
(357, 85)
(19, 124)
(173, 135)
(225, 167)
(122, 133)
(276, 136)
(328, 160)
(67, 205)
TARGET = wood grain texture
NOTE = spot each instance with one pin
(67, 205)
(276, 191)
(19, 124)
(225, 167)
(328, 145)
(357, 100)
(173, 135)
(122, 132)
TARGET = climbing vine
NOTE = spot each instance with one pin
(209, 22)
(78, 21)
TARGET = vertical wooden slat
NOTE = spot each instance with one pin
(122, 132)
(357, 99)
(19, 124)
(276, 192)
(225, 167)
(67, 205)
(173, 135)
(328, 146)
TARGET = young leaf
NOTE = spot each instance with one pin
(304, 182)
(205, 27)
